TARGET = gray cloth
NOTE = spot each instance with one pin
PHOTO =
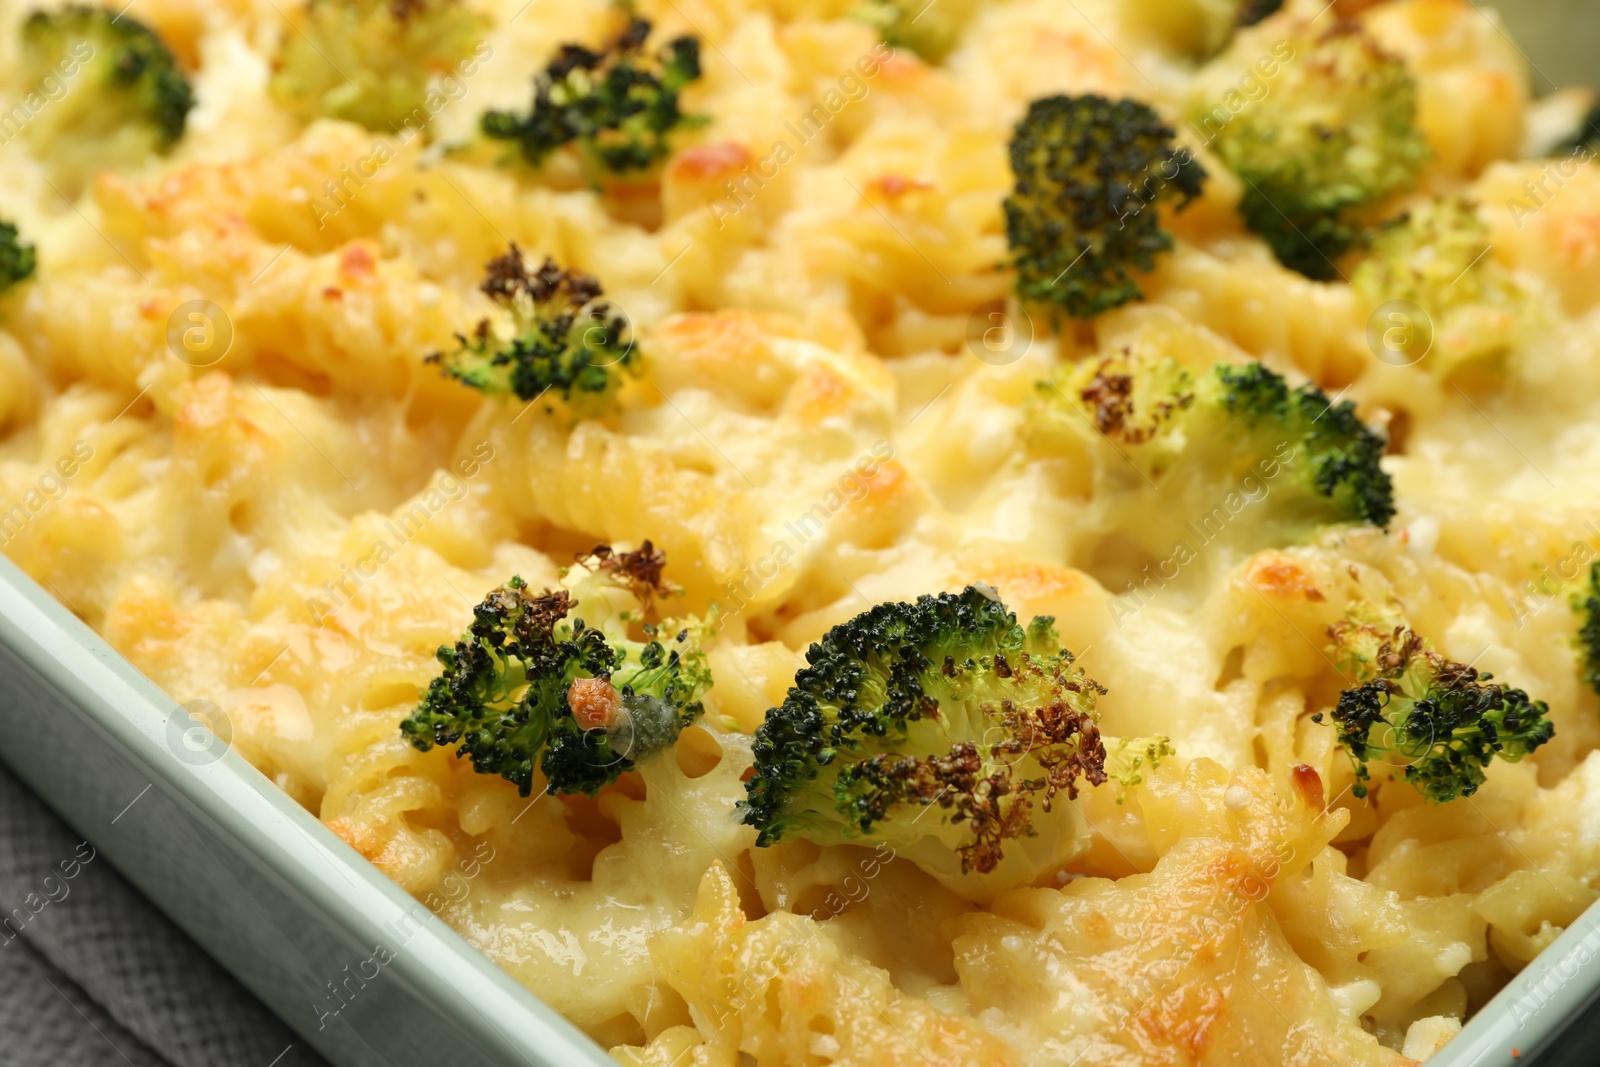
(92, 974)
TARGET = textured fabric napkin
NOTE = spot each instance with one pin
(97, 976)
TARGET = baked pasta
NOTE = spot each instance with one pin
(647, 516)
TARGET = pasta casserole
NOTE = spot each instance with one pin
(849, 531)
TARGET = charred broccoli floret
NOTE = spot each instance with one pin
(1198, 29)
(619, 107)
(1090, 173)
(532, 685)
(1254, 11)
(371, 61)
(1333, 136)
(1437, 257)
(1440, 720)
(1209, 446)
(17, 260)
(555, 334)
(1587, 605)
(1586, 136)
(942, 728)
(930, 29)
(116, 95)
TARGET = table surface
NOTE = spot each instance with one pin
(92, 974)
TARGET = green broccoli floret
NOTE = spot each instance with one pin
(619, 106)
(1587, 605)
(1090, 173)
(941, 728)
(115, 94)
(1437, 257)
(529, 685)
(17, 260)
(1440, 720)
(1171, 446)
(1333, 136)
(371, 61)
(556, 335)
(930, 28)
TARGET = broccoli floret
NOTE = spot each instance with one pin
(1197, 29)
(530, 685)
(1437, 257)
(1586, 136)
(1254, 11)
(116, 95)
(1090, 173)
(930, 28)
(1440, 720)
(17, 260)
(555, 335)
(370, 61)
(1587, 605)
(1205, 447)
(619, 106)
(940, 727)
(1334, 135)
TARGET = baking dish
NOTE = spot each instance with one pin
(301, 918)
(359, 969)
